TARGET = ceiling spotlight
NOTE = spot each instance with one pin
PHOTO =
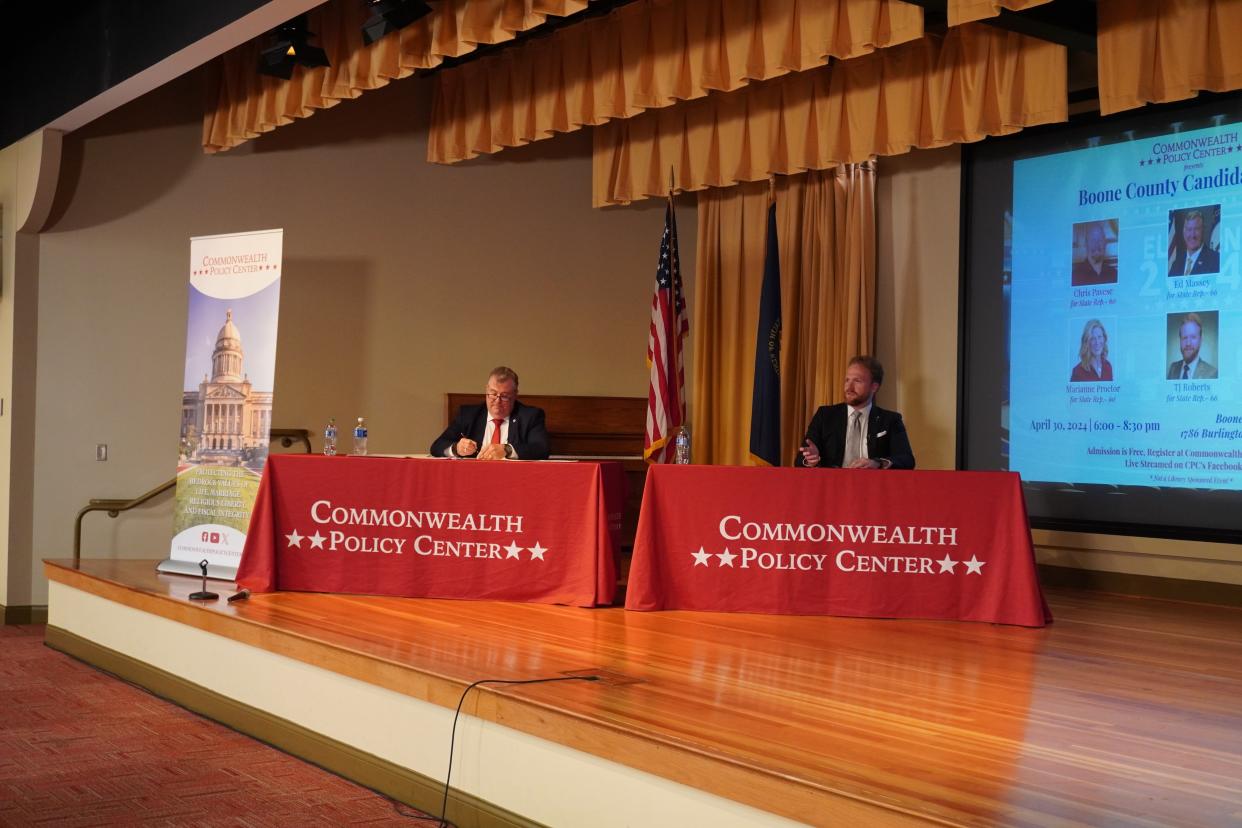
(389, 15)
(289, 49)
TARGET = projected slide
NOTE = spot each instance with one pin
(1125, 337)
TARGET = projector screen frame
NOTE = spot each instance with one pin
(1049, 503)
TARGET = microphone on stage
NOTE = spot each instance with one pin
(203, 594)
(240, 595)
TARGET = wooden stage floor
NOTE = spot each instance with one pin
(1124, 711)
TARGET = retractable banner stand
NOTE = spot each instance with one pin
(226, 402)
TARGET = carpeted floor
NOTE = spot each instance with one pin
(81, 748)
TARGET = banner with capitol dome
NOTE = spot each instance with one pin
(226, 399)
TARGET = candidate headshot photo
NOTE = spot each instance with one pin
(1193, 340)
(1094, 253)
(1194, 241)
(1093, 364)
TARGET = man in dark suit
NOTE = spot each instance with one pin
(857, 434)
(1194, 258)
(499, 428)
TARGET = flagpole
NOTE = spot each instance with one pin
(666, 396)
(765, 408)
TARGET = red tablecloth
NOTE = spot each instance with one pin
(944, 545)
(538, 532)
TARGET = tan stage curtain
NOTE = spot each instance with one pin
(826, 231)
(973, 82)
(648, 54)
(968, 11)
(242, 104)
(1151, 51)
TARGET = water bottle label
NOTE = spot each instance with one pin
(360, 432)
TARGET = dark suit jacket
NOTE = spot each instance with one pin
(1084, 274)
(527, 432)
(886, 436)
(1208, 262)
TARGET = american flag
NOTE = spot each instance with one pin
(666, 400)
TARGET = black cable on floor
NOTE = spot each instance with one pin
(441, 822)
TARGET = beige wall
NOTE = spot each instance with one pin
(8, 211)
(918, 198)
(28, 172)
(402, 280)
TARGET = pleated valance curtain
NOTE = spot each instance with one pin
(968, 11)
(826, 228)
(973, 82)
(646, 55)
(243, 104)
(655, 53)
(1152, 51)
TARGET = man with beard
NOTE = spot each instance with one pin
(499, 428)
(857, 434)
(1191, 338)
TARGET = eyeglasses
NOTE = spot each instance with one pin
(492, 395)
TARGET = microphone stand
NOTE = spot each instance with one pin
(203, 594)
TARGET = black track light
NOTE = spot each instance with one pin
(388, 16)
(289, 49)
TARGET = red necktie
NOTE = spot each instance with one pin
(496, 432)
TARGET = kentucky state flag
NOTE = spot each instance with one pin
(765, 407)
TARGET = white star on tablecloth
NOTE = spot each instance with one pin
(726, 558)
(948, 564)
(317, 540)
(513, 549)
(294, 539)
(974, 565)
(701, 557)
(537, 551)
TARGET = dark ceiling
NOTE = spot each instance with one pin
(1068, 22)
(55, 57)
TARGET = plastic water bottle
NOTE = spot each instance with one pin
(681, 447)
(360, 436)
(329, 438)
